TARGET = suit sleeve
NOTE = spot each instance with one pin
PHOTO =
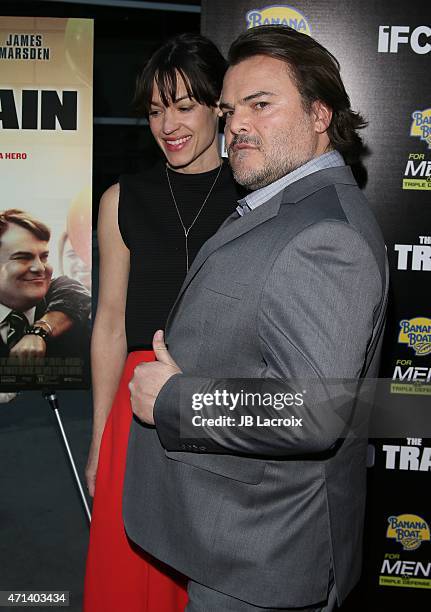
(70, 297)
(315, 324)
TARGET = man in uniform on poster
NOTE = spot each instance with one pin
(293, 286)
(36, 312)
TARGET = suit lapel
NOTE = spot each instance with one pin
(236, 226)
(340, 175)
(232, 228)
(4, 352)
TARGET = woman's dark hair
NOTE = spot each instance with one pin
(316, 73)
(195, 58)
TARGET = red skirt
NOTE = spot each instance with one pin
(120, 575)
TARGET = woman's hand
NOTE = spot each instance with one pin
(91, 467)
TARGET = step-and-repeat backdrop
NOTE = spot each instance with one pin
(384, 50)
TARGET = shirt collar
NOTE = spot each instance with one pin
(332, 159)
(5, 312)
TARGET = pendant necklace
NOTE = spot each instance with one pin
(186, 230)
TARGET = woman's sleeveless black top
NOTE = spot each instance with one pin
(152, 231)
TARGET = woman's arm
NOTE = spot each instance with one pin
(108, 342)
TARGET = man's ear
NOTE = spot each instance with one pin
(322, 115)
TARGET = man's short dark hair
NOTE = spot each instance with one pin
(23, 219)
(316, 73)
(195, 58)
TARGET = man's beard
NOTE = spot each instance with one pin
(278, 161)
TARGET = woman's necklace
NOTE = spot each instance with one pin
(186, 230)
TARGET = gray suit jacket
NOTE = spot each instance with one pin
(294, 289)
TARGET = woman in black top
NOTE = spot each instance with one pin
(151, 227)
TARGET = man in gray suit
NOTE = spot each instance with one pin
(262, 512)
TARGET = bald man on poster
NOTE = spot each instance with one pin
(292, 287)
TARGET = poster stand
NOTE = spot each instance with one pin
(52, 399)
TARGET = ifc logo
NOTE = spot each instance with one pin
(390, 37)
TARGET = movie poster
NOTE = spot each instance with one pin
(45, 206)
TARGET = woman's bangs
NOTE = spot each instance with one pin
(167, 84)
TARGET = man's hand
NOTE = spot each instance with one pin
(149, 378)
(29, 347)
(7, 397)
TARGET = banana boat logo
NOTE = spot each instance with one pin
(278, 15)
(417, 334)
(421, 125)
(409, 530)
